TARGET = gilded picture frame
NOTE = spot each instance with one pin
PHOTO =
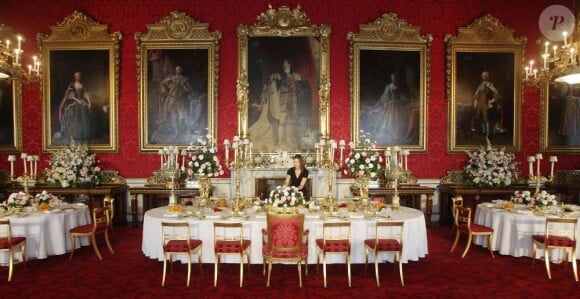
(484, 86)
(559, 114)
(11, 115)
(389, 83)
(177, 74)
(283, 87)
(80, 84)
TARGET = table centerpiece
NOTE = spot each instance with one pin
(45, 201)
(16, 201)
(285, 199)
(363, 162)
(202, 163)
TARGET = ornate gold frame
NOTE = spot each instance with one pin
(283, 22)
(79, 32)
(176, 31)
(485, 35)
(16, 99)
(390, 33)
(544, 124)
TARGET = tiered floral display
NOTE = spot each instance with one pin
(541, 199)
(74, 166)
(202, 158)
(364, 159)
(490, 167)
(286, 196)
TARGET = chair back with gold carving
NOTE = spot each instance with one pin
(108, 203)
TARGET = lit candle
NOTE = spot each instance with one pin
(227, 149)
(565, 34)
(7, 44)
(23, 156)
(527, 68)
(535, 73)
(546, 44)
(19, 42)
(555, 48)
(16, 57)
(531, 161)
(553, 160)
(531, 64)
(545, 57)
(29, 69)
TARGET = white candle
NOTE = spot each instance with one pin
(531, 161)
(29, 69)
(545, 57)
(538, 158)
(565, 34)
(7, 44)
(535, 73)
(527, 71)
(16, 57)
(19, 42)
(36, 159)
(11, 158)
(555, 50)
(553, 160)
(227, 150)
(30, 162)
(23, 156)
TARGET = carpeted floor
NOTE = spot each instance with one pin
(129, 274)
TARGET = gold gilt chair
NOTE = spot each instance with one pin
(108, 202)
(285, 241)
(560, 234)
(456, 201)
(176, 239)
(334, 242)
(225, 245)
(386, 241)
(8, 243)
(463, 225)
(100, 225)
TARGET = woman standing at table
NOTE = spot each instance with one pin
(298, 175)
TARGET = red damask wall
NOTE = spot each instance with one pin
(436, 17)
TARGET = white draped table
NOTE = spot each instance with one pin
(48, 233)
(513, 230)
(414, 243)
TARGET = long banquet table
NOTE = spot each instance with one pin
(48, 233)
(513, 230)
(414, 243)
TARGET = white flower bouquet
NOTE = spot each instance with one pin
(17, 200)
(490, 167)
(364, 159)
(202, 157)
(284, 196)
(542, 199)
(73, 165)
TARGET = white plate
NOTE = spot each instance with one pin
(171, 215)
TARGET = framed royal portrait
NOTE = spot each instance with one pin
(177, 67)
(560, 118)
(11, 115)
(283, 81)
(389, 70)
(484, 86)
(80, 84)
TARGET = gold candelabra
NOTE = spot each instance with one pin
(537, 178)
(242, 158)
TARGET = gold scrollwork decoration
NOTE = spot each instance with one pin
(283, 22)
(391, 36)
(84, 38)
(180, 38)
(486, 37)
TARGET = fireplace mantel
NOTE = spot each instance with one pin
(317, 176)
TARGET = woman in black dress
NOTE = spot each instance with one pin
(298, 175)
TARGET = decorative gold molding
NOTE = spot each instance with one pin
(16, 99)
(177, 31)
(545, 100)
(485, 34)
(390, 33)
(283, 22)
(79, 32)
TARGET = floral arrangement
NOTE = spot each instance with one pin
(541, 199)
(490, 167)
(17, 200)
(202, 157)
(286, 196)
(45, 201)
(73, 165)
(363, 159)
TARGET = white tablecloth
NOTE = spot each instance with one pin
(414, 243)
(513, 231)
(48, 233)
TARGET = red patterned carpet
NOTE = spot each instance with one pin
(128, 274)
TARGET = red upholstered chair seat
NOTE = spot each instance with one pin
(231, 246)
(87, 228)
(476, 228)
(384, 244)
(181, 245)
(284, 254)
(334, 245)
(558, 241)
(13, 241)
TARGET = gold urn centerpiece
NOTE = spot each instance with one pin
(286, 200)
(363, 162)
